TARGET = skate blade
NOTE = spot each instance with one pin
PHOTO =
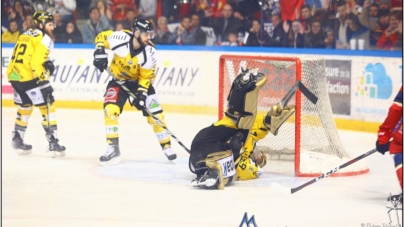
(111, 162)
(57, 154)
(22, 152)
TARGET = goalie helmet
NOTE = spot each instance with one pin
(42, 17)
(143, 25)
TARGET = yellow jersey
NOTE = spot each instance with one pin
(247, 170)
(127, 63)
(30, 52)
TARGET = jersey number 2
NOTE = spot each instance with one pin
(22, 52)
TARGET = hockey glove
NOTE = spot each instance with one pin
(382, 148)
(100, 59)
(48, 65)
(45, 88)
(140, 101)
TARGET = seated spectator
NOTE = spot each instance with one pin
(223, 25)
(315, 38)
(384, 5)
(369, 15)
(200, 35)
(232, 40)
(163, 35)
(59, 28)
(66, 9)
(392, 37)
(329, 39)
(104, 11)
(147, 9)
(72, 34)
(358, 31)
(277, 32)
(183, 33)
(118, 8)
(28, 23)
(94, 25)
(119, 27)
(257, 35)
(130, 18)
(12, 34)
(383, 24)
(342, 30)
(8, 5)
(295, 35)
(20, 11)
(306, 18)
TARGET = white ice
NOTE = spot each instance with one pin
(146, 190)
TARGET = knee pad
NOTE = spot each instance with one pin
(222, 163)
(111, 115)
(111, 111)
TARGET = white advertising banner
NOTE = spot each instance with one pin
(361, 88)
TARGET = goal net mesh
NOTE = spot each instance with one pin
(309, 137)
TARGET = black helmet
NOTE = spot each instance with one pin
(43, 17)
(143, 26)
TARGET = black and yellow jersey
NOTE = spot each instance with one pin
(128, 63)
(258, 132)
(30, 52)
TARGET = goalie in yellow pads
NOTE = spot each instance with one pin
(215, 151)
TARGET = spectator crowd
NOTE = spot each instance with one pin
(331, 24)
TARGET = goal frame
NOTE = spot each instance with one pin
(298, 75)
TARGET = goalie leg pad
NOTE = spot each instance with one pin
(111, 116)
(275, 118)
(220, 170)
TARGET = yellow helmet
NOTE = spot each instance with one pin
(43, 17)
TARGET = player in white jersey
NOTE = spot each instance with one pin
(133, 65)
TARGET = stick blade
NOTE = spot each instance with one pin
(282, 189)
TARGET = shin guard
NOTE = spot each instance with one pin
(51, 118)
(21, 121)
(161, 134)
(111, 116)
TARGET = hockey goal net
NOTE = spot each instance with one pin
(309, 137)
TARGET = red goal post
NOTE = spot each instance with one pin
(310, 137)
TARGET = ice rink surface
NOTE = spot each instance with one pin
(146, 190)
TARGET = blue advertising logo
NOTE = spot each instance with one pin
(248, 222)
(375, 83)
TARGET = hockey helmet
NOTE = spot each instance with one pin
(143, 25)
(43, 17)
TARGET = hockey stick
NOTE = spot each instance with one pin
(153, 116)
(306, 92)
(48, 133)
(288, 190)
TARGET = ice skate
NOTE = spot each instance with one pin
(19, 146)
(209, 180)
(169, 153)
(395, 201)
(112, 156)
(55, 148)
